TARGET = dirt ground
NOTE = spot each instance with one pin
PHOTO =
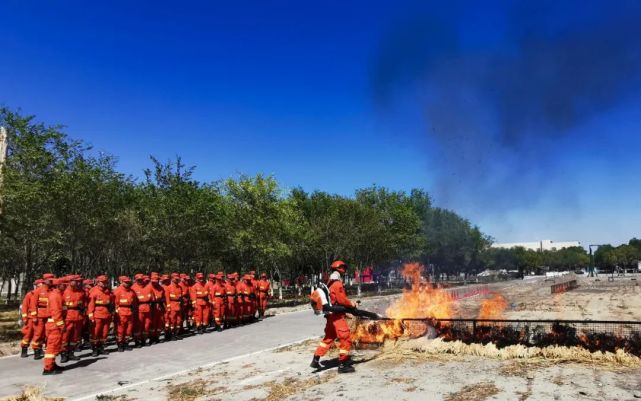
(404, 370)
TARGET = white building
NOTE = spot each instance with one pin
(543, 245)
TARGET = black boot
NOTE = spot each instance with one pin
(25, 352)
(94, 350)
(138, 344)
(72, 356)
(38, 354)
(64, 358)
(315, 363)
(121, 348)
(345, 367)
(167, 336)
(51, 372)
(219, 327)
(102, 350)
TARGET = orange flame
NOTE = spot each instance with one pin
(422, 300)
(493, 308)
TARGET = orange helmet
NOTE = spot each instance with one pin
(339, 266)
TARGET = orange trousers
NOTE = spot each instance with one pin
(38, 332)
(262, 302)
(142, 325)
(124, 329)
(100, 330)
(201, 314)
(157, 321)
(218, 310)
(231, 312)
(54, 345)
(72, 335)
(27, 333)
(175, 321)
(336, 328)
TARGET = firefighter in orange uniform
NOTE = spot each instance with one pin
(126, 302)
(165, 281)
(187, 312)
(55, 326)
(254, 299)
(240, 298)
(39, 302)
(101, 303)
(157, 308)
(75, 302)
(173, 296)
(263, 294)
(145, 295)
(336, 327)
(246, 290)
(200, 303)
(87, 329)
(231, 309)
(217, 294)
(28, 316)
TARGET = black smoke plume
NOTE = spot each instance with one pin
(502, 118)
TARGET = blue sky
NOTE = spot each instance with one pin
(340, 96)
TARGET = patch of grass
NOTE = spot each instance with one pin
(404, 380)
(32, 393)
(474, 392)
(187, 391)
(277, 391)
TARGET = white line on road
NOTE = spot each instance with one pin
(209, 365)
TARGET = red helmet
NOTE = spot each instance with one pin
(339, 266)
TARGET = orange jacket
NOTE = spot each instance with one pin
(75, 301)
(230, 291)
(126, 301)
(263, 287)
(145, 296)
(246, 289)
(217, 291)
(173, 295)
(39, 301)
(25, 309)
(199, 294)
(101, 302)
(55, 308)
(338, 296)
(159, 296)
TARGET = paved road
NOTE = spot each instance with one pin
(90, 376)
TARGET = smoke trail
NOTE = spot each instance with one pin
(503, 118)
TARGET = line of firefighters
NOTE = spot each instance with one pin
(61, 313)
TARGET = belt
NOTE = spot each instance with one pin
(102, 305)
(124, 306)
(143, 303)
(265, 291)
(73, 308)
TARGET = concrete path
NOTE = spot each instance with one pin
(90, 376)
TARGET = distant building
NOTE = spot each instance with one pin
(543, 245)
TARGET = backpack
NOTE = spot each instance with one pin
(319, 298)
